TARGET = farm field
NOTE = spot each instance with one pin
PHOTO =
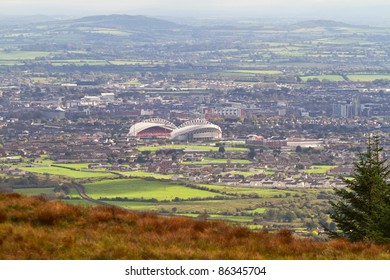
(333, 78)
(35, 191)
(143, 174)
(21, 55)
(138, 206)
(78, 62)
(265, 193)
(228, 218)
(133, 82)
(79, 202)
(44, 160)
(74, 165)
(135, 62)
(257, 210)
(52, 170)
(238, 219)
(244, 173)
(10, 62)
(367, 77)
(319, 169)
(141, 189)
(187, 208)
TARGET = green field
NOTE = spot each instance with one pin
(133, 82)
(191, 215)
(44, 160)
(287, 52)
(191, 147)
(135, 62)
(143, 174)
(265, 193)
(52, 170)
(188, 208)
(75, 165)
(35, 191)
(10, 62)
(333, 78)
(3, 159)
(228, 218)
(20, 55)
(243, 173)
(239, 219)
(257, 211)
(255, 227)
(135, 205)
(320, 169)
(367, 77)
(79, 202)
(73, 194)
(138, 188)
(79, 62)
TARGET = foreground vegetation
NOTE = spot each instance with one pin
(33, 228)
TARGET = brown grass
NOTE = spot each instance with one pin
(32, 228)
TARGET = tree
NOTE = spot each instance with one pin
(221, 149)
(251, 153)
(362, 212)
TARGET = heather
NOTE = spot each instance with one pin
(34, 228)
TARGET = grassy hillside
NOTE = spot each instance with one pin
(33, 228)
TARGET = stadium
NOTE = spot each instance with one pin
(197, 129)
(194, 130)
(152, 128)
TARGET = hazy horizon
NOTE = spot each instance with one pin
(375, 11)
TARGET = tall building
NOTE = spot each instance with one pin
(356, 106)
(342, 109)
(348, 108)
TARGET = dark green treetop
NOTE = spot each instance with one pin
(362, 212)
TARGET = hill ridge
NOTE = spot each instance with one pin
(124, 21)
(323, 23)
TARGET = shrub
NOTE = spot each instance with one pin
(3, 216)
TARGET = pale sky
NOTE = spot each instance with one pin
(194, 8)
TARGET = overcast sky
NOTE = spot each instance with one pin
(201, 8)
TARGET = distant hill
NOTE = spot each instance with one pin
(126, 22)
(320, 23)
(17, 20)
(33, 228)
